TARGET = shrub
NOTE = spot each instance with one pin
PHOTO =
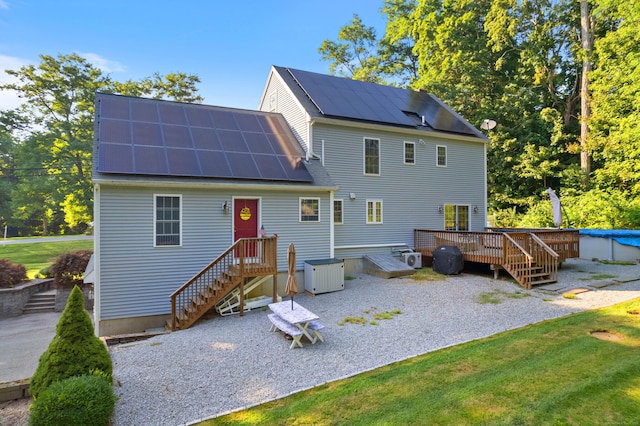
(68, 268)
(11, 273)
(74, 350)
(83, 401)
(45, 273)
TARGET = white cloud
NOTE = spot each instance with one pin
(8, 98)
(102, 63)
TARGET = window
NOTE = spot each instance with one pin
(441, 156)
(456, 218)
(168, 220)
(409, 153)
(371, 156)
(374, 211)
(273, 101)
(309, 210)
(337, 211)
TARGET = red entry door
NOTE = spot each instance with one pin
(245, 219)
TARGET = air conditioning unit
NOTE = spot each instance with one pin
(413, 259)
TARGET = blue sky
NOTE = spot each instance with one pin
(229, 44)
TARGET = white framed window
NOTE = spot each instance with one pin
(456, 217)
(309, 209)
(273, 101)
(371, 151)
(374, 211)
(410, 153)
(167, 220)
(338, 211)
(441, 156)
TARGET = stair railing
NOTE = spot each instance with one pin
(247, 257)
(517, 260)
(544, 257)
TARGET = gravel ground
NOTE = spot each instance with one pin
(229, 363)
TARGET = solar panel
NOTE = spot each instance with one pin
(345, 98)
(154, 137)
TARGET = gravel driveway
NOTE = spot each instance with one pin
(228, 363)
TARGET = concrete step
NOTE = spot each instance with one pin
(40, 302)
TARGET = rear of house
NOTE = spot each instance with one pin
(402, 159)
(177, 184)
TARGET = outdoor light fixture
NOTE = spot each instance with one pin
(225, 208)
(475, 209)
(352, 195)
(440, 209)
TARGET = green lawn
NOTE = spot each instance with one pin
(36, 256)
(552, 373)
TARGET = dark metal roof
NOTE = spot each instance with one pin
(138, 136)
(343, 98)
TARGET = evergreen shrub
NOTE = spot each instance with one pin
(74, 351)
(83, 400)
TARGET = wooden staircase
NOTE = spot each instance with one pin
(238, 266)
(529, 260)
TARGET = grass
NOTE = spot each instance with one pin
(595, 276)
(554, 372)
(426, 274)
(37, 256)
(617, 262)
(499, 296)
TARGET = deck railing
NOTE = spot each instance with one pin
(247, 257)
(565, 242)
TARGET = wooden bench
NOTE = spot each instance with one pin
(278, 323)
(316, 327)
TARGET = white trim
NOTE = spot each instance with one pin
(222, 186)
(361, 246)
(97, 290)
(300, 209)
(375, 201)
(341, 200)
(404, 153)
(364, 156)
(446, 156)
(155, 216)
(332, 239)
(422, 134)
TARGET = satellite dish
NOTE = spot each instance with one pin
(487, 124)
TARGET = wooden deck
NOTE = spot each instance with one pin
(531, 256)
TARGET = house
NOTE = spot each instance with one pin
(402, 159)
(194, 203)
(175, 185)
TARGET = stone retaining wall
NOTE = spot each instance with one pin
(13, 300)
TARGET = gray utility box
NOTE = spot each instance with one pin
(323, 275)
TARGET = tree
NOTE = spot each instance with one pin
(354, 55)
(56, 121)
(614, 125)
(74, 351)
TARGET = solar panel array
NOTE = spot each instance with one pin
(343, 97)
(153, 137)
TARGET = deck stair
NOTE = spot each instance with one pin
(530, 256)
(41, 302)
(225, 282)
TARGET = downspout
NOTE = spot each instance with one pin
(486, 206)
(332, 248)
(97, 223)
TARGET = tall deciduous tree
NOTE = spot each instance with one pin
(615, 96)
(56, 121)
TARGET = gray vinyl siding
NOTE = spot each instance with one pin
(289, 108)
(137, 279)
(411, 194)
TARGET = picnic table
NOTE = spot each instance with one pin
(296, 322)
